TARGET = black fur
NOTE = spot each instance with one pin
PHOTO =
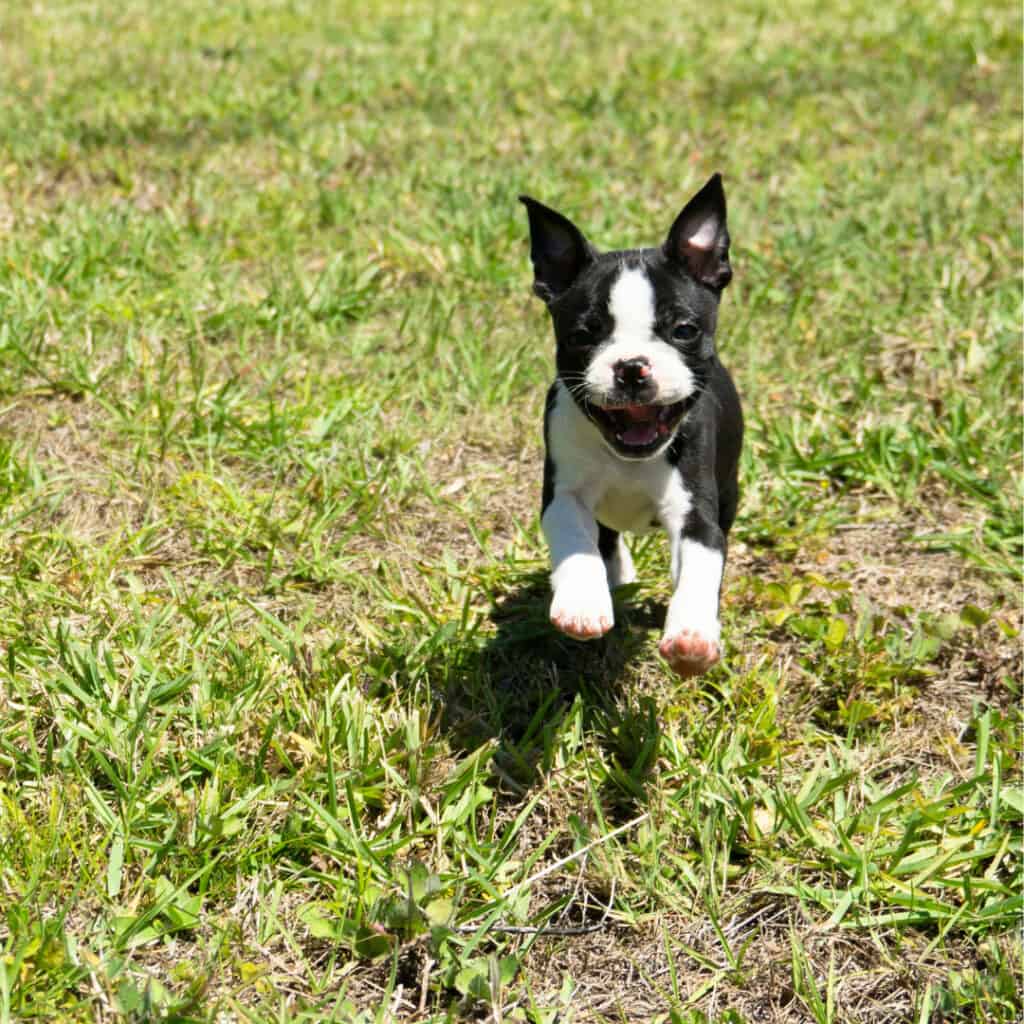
(575, 281)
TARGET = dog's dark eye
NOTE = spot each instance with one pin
(685, 332)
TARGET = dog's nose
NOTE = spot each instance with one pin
(631, 372)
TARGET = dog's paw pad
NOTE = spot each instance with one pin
(582, 621)
(688, 653)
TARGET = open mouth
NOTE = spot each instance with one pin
(638, 428)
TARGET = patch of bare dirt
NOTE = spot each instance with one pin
(636, 974)
(883, 566)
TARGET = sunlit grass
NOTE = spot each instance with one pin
(284, 731)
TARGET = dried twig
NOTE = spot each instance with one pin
(501, 928)
(508, 929)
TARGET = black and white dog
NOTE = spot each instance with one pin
(643, 424)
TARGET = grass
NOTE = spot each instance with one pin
(284, 732)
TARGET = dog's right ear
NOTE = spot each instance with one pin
(699, 239)
(557, 248)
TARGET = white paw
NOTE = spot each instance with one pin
(691, 652)
(582, 613)
(620, 567)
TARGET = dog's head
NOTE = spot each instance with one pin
(635, 329)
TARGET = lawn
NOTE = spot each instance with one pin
(285, 734)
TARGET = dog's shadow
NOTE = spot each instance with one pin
(518, 686)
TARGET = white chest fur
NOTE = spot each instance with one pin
(623, 494)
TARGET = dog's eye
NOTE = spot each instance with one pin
(685, 331)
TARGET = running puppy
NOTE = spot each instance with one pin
(643, 426)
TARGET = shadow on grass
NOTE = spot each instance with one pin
(520, 683)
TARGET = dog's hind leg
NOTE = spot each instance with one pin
(618, 562)
(728, 499)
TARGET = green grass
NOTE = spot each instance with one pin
(284, 732)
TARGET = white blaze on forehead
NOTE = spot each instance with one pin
(631, 303)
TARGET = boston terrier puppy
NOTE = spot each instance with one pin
(642, 426)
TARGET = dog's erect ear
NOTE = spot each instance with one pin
(699, 239)
(557, 248)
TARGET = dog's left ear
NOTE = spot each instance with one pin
(699, 239)
(558, 250)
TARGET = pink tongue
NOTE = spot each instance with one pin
(643, 427)
(640, 433)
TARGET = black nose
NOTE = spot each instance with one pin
(631, 372)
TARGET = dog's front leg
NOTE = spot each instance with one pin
(691, 642)
(582, 604)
